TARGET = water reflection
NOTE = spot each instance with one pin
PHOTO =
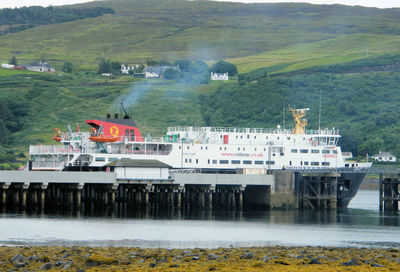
(157, 227)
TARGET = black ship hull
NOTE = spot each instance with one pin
(348, 185)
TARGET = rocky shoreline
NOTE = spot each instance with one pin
(275, 258)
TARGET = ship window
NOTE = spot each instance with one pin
(290, 162)
(301, 163)
(235, 162)
(220, 148)
(266, 137)
(246, 162)
(244, 149)
(238, 148)
(303, 150)
(258, 162)
(241, 137)
(100, 159)
(255, 137)
(236, 136)
(270, 162)
(294, 150)
(315, 151)
(265, 149)
(278, 138)
(179, 147)
(127, 133)
(186, 160)
(190, 160)
(214, 161)
(255, 149)
(187, 147)
(273, 154)
(197, 160)
(326, 163)
(326, 151)
(208, 161)
(201, 148)
(223, 161)
(248, 136)
(132, 135)
(306, 163)
(288, 138)
(206, 147)
(315, 163)
(282, 154)
(334, 151)
(224, 148)
(220, 136)
(112, 159)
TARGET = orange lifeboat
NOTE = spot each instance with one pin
(104, 139)
(57, 135)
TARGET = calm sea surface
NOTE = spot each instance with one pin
(361, 225)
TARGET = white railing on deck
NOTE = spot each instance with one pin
(48, 165)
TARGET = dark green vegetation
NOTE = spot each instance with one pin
(363, 106)
(19, 19)
(284, 53)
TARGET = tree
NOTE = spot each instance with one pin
(223, 67)
(171, 73)
(67, 67)
(13, 61)
(104, 67)
(140, 68)
(116, 67)
(151, 62)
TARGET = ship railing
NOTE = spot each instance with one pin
(327, 169)
(251, 130)
(50, 165)
(52, 149)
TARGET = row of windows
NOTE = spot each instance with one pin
(103, 159)
(314, 151)
(239, 162)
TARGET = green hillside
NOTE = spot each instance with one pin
(285, 54)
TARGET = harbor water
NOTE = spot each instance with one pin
(360, 225)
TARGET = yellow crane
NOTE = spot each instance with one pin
(300, 123)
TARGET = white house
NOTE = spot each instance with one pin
(40, 67)
(157, 71)
(7, 66)
(128, 169)
(219, 76)
(384, 156)
(127, 68)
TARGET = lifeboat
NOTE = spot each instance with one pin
(57, 135)
(104, 139)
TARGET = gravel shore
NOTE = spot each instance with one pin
(221, 259)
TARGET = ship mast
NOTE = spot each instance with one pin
(300, 123)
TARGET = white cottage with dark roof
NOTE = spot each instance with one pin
(40, 67)
(384, 156)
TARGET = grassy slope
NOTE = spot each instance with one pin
(269, 33)
(252, 36)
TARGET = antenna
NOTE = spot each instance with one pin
(319, 115)
(284, 119)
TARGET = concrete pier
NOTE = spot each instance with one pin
(91, 190)
(389, 195)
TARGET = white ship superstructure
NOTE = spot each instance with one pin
(204, 148)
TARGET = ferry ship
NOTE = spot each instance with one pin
(203, 149)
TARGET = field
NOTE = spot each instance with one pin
(349, 54)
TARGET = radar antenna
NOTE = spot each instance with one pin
(300, 123)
